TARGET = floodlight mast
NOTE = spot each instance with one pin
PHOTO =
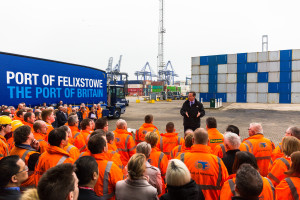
(161, 32)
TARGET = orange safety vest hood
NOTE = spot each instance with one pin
(143, 130)
(168, 141)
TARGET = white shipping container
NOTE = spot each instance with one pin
(252, 77)
(232, 68)
(135, 85)
(222, 78)
(262, 67)
(231, 97)
(197, 95)
(195, 69)
(222, 88)
(195, 60)
(232, 58)
(296, 54)
(251, 97)
(296, 87)
(274, 77)
(196, 87)
(203, 78)
(231, 88)
(296, 76)
(274, 66)
(274, 55)
(273, 97)
(203, 69)
(296, 65)
(252, 87)
(195, 78)
(262, 98)
(295, 97)
(263, 56)
(262, 88)
(231, 78)
(252, 57)
(222, 69)
(203, 88)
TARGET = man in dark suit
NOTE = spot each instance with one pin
(61, 116)
(192, 110)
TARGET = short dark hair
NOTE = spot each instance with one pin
(243, 157)
(27, 115)
(21, 134)
(188, 140)
(84, 123)
(5, 113)
(37, 114)
(46, 113)
(8, 168)
(110, 136)
(194, 93)
(57, 182)
(248, 182)
(170, 127)
(56, 136)
(64, 128)
(148, 118)
(99, 131)
(100, 123)
(72, 120)
(295, 132)
(20, 112)
(211, 122)
(233, 129)
(85, 168)
(96, 144)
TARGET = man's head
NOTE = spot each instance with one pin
(38, 115)
(13, 171)
(101, 123)
(29, 117)
(170, 127)
(97, 144)
(231, 141)
(87, 171)
(40, 126)
(59, 182)
(192, 96)
(23, 135)
(293, 131)
(86, 124)
(211, 122)
(121, 124)
(99, 132)
(144, 148)
(5, 124)
(149, 119)
(110, 136)
(48, 116)
(200, 136)
(20, 106)
(73, 120)
(67, 130)
(65, 109)
(151, 138)
(233, 129)
(58, 137)
(188, 141)
(255, 128)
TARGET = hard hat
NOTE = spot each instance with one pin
(16, 124)
(5, 120)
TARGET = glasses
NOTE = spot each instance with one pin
(25, 170)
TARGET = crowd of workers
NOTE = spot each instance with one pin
(68, 153)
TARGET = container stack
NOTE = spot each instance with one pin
(135, 88)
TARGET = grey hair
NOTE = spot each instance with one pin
(257, 128)
(232, 140)
(121, 123)
(144, 148)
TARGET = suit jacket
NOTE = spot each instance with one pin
(192, 120)
(61, 118)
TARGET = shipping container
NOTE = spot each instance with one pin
(295, 98)
(262, 67)
(231, 88)
(204, 78)
(204, 69)
(263, 57)
(285, 77)
(273, 98)
(296, 76)
(285, 55)
(195, 87)
(295, 87)
(252, 57)
(284, 97)
(212, 88)
(251, 87)
(231, 97)
(273, 66)
(135, 85)
(296, 54)
(273, 87)
(204, 60)
(222, 88)
(274, 55)
(203, 88)
(157, 83)
(252, 97)
(285, 66)
(195, 78)
(296, 65)
(274, 77)
(195, 60)
(222, 69)
(135, 82)
(241, 97)
(251, 67)
(262, 98)
(195, 69)
(231, 78)
(242, 58)
(262, 77)
(262, 87)
(252, 77)
(232, 68)
(212, 78)
(232, 58)
(222, 78)
(241, 68)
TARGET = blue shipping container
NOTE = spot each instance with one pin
(285, 77)
(222, 59)
(284, 98)
(242, 78)
(273, 87)
(262, 77)
(223, 96)
(241, 87)
(241, 97)
(203, 60)
(241, 68)
(212, 60)
(212, 78)
(285, 66)
(213, 69)
(285, 55)
(285, 88)
(212, 88)
(242, 58)
(251, 67)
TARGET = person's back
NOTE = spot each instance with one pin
(145, 128)
(5, 128)
(78, 139)
(215, 137)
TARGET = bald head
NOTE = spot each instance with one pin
(255, 128)
(200, 136)
(121, 124)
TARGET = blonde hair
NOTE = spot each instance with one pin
(151, 138)
(30, 194)
(136, 166)
(144, 148)
(177, 173)
(290, 144)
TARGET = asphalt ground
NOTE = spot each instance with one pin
(275, 118)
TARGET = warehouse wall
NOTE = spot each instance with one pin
(259, 77)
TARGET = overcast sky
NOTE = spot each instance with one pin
(89, 32)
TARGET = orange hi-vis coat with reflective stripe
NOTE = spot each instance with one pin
(25, 154)
(85, 114)
(112, 147)
(220, 149)
(52, 157)
(179, 149)
(168, 141)
(228, 189)
(49, 129)
(10, 142)
(30, 125)
(143, 130)
(3, 147)
(215, 138)
(78, 139)
(86, 135)
(109, 175)
(158, 159)
(125, 144)
(276, 171)
(288, 189)
(41, 139)
(261, 148)
(207, 170)
(72, 150)
(99, 113)
(277, 152)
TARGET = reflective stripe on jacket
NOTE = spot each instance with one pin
(288, 188)
(168, 141)
(276, 172)
(143, 130)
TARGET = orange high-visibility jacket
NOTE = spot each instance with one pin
(109, 175)
(86, 135)
(51, 158)
(143, 130)
(277, 152)
(30, 125)
(99, 113)
(158, 159)
(220, 149)
(228, 189)
(288, 188)
(112, 147)
(261, 148)
(41, 139)
(85, 114)
(49, 129)
(168, 141)
(78, 139)
(178, 149)
(125, 144)
(215, 138)
(69, 110)
(18, 118)
(72, 150)
(207, 170)
(3, 147)
(10, 143)
(25, 154)
(276, 171)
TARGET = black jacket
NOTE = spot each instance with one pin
(188, 191)
(9, 194)
(61, 118)
(229, 160)
(85, 194)
(192, 120)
